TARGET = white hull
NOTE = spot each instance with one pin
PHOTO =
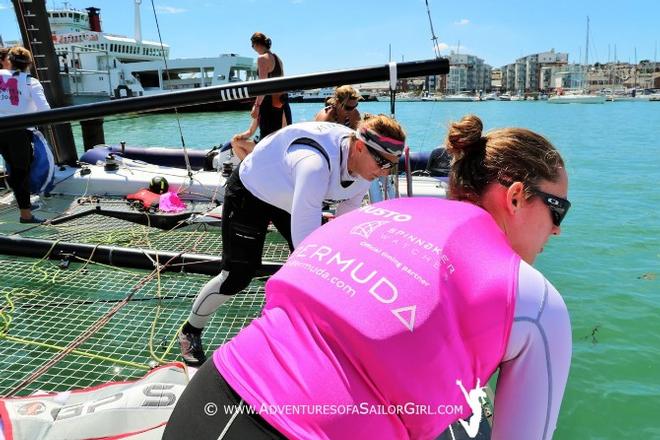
(424, 186)
(460, 98)
(133, 176)
(577, 99)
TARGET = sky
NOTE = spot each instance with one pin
(320, 35)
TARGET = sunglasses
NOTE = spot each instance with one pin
(382, 163)
(558, 206)
(349, 108)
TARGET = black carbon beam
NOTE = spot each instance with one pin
(227, 92)
(121, 256)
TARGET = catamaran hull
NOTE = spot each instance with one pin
(132, 176)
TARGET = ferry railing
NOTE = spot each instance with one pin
(225, 92)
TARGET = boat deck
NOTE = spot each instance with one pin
(72, 325)
(88, 323)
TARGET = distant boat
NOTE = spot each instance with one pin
(401, 97)
(577, 98)
(460, 97)
(321, 95)
(505, 96)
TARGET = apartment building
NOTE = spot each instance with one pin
(533, 73)
(467, 73)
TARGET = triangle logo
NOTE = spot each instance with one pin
(406, 315)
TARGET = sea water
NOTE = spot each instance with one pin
(606, 263)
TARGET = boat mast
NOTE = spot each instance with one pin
(436, 49)
(586, 59)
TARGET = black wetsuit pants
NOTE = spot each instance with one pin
(245, 221)
(205, 409)
(16, 149)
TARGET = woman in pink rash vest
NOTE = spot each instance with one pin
(388, 322)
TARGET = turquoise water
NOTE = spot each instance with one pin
(606, 263)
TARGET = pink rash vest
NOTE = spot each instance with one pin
(374, 319)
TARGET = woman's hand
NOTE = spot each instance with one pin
(242, 136)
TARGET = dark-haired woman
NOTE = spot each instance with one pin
(20, 93)
(4, 58)
(272, 111)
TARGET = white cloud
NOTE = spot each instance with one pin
(3, 7)
(442, 46)
(170, 10)
(462, 22)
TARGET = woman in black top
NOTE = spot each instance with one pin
(272, 111)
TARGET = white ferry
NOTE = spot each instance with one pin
(97, 65)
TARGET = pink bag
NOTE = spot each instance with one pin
(170, 202)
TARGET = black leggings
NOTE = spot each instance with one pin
(204, 411)
(245, 221)
(16, 149)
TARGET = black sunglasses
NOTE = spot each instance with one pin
(382, 163)
(558, 206)
(349, 108)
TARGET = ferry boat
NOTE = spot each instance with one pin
(98, 66)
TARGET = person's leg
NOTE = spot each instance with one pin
(17, 151)
(244, 224)
(207, 409)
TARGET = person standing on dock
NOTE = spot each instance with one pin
(341, 108)
(286, 180)
(387, 323)
(20, 93)
(272, 111)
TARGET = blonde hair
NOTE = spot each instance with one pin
(342, 95)
(384, 126)
(505, 155)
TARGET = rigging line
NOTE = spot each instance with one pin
(176, 110)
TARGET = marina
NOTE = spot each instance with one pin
(105, 291)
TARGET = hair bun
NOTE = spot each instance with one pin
(465, 135)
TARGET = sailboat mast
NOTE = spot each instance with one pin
(436, 49)
(586, 52)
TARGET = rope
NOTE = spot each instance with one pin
(176, 110)
(15, 295)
